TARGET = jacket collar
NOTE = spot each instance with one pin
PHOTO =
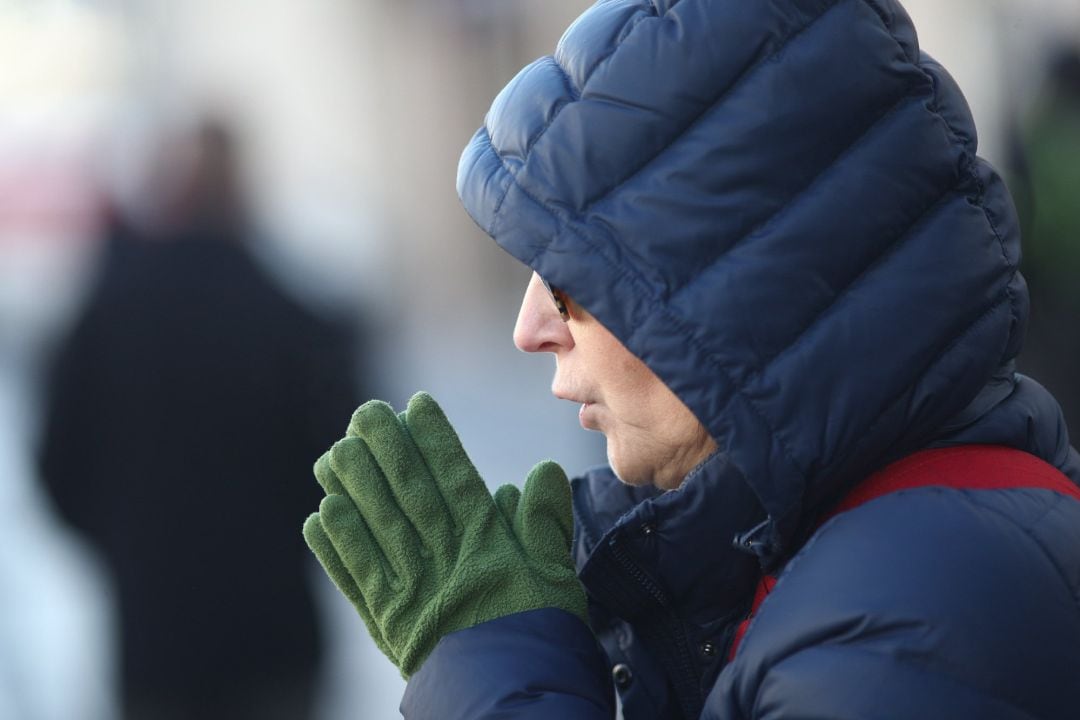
(681, 539)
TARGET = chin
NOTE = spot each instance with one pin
(629, 479)
(638, 472)
(628, 472)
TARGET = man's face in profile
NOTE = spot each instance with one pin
(652, 437)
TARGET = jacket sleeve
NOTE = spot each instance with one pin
(537, 665)
(929, 603)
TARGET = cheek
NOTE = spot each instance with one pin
(653, 425)
(634, 393)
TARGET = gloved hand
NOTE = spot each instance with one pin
(411, 535)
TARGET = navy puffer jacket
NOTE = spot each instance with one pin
(777, 205)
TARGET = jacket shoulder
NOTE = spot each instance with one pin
(942, 602)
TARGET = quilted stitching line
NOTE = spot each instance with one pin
(817, 178)
(740, 388)
(939, 202)
(991, 222)
(720, 97)
(1074, 593)
(868, 433)
(574, 95)
(489, 148)
(574, 91)
(981, 203)
(880, 12)
(624, 35)
(969, 169)
(569, 224)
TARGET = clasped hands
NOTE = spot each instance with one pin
(411, 536)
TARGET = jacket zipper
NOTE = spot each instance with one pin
(682, 649)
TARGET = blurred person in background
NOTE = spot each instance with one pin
(183, 412)
(775, 274)
(1051, 165)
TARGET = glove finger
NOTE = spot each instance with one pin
(355, 545)
(316, 538)
(393, 532)
(408, 476)
(328, 481)
(461, 486)
(506, 500)
(545, 523)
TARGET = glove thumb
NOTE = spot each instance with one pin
(544, 523)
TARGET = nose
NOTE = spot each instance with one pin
(539, 327)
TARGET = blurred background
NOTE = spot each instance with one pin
(223, 225)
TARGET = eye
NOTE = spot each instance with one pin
(559, 297)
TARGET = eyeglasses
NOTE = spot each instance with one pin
(560, 300)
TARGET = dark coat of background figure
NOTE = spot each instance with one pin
(185, 409)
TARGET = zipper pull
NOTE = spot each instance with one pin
(759, 541)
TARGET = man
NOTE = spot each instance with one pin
(191, 382)
(779, 275)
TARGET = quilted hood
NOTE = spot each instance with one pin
(777, 205)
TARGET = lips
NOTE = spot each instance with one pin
(570, 397)
(586, 417)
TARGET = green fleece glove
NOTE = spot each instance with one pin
(411, 535)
